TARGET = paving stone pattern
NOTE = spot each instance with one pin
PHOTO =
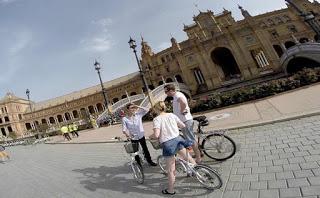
(274, 160)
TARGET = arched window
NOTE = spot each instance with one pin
(43, 121)
(123, 96)
(115, 100)
(133, 93)
(160, 83)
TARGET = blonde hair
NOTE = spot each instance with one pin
(159, 107)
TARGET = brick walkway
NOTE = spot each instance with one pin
(274, 160)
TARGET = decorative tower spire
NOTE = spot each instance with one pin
(244, 12)
(145, 48)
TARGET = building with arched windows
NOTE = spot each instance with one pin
(218, 52)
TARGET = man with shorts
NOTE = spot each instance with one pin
(182, 110)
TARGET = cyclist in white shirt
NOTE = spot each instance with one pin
(182, 110)
(165, 128)
(133, 129)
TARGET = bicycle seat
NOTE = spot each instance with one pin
(203, 121)
(200, 118)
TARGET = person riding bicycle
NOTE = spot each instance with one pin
(133, 129)
(165, 128)
(182, 110)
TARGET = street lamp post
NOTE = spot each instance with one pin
(97, 67)
(308, 18)
(28, 95)
(132, 44)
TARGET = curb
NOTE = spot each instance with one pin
(274, 121)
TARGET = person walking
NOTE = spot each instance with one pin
(75, 129)
(65, 132)
(165, 128)
(182, 110)
(132, 128)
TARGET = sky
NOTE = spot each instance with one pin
(49, 46)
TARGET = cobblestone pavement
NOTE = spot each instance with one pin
(275, 160)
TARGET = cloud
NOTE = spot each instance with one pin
(101, 41)
(163, 46)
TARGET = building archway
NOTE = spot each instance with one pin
(75, 114)
(223, 57)
(179, 78)
(83, 113)
(160, 83)
(3, 131)
(60, 119)
(43, 121)
(278, 50)
(91, 109)
(289, 44)
(67, 116)
(169, 80)
(51, 120)
(99, 107)
(133, 93)
(28, 126)
(114, 100)
(303, 40)
(123, 96)
(297, 64)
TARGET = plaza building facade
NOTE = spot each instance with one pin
(218, 52)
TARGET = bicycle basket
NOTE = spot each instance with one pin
(131, 147)
(155, 143)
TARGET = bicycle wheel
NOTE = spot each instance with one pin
(137, 172)
(219, 147)
(180, 168)
(207, 177)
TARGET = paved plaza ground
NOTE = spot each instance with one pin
(273, 160)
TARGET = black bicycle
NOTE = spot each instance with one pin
(214, 144)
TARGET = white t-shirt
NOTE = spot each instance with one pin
(134, 125)
(176, 107)
(168, 125)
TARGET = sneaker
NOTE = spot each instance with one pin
(153, 164)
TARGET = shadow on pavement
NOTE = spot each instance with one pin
(121, 179)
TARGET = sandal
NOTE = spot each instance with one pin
(165, 192)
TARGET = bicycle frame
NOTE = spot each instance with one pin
(202, 135)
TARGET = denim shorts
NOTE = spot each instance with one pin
(171, 147)
(188, 131)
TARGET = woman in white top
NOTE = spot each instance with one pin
(165, 128)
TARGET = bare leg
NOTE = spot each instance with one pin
(197, 152)
(171, 166)
(184, 153)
